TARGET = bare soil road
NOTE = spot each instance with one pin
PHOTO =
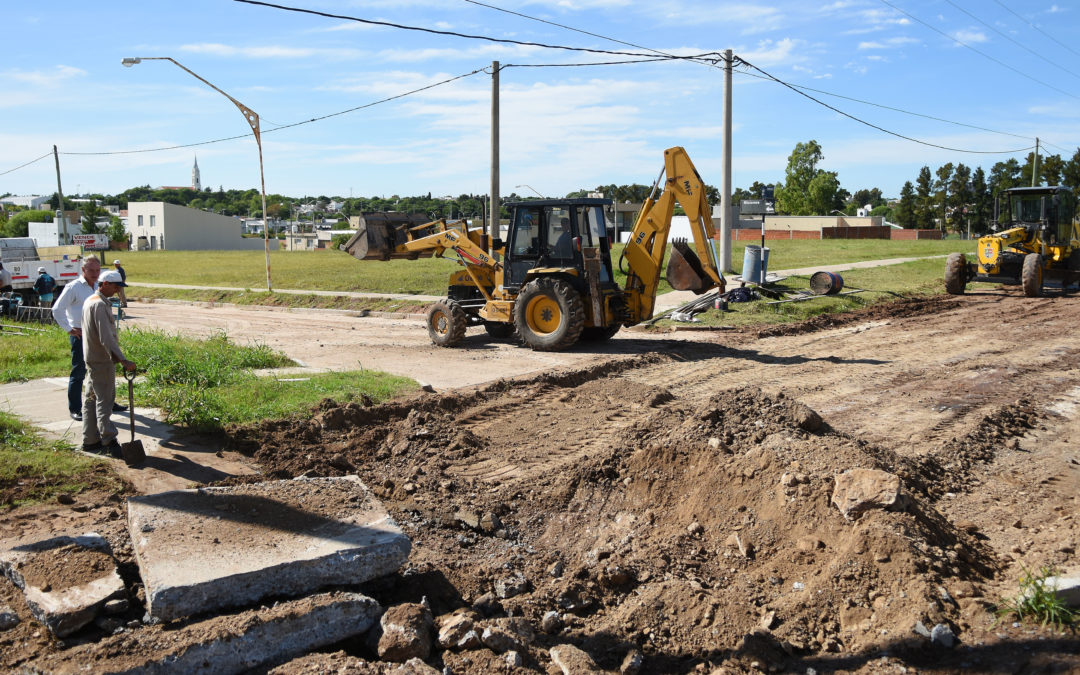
(671, 495)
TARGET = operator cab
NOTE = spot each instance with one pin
(550, 233)
(1051, 207)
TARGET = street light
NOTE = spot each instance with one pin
(839, 212)
(531, 188)
(252, 119)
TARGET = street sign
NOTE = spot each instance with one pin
(93, 242)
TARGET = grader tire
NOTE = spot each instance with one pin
(497, 329)
(446, 323)
(1031, 277)
(955, 274)
(549, 315)
(598, 334)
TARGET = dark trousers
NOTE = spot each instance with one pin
(78, 373)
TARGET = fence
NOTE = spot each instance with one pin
(916, 234)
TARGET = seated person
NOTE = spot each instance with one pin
(563, 246)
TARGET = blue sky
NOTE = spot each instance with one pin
(563, 128)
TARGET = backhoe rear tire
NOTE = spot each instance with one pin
(446, 323)
(1031, 277)
(497, 329)
(549, 315)
(955, 274)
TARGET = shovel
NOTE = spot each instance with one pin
(132, 452)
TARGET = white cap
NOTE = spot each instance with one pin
(116, 262)
(112, 277)
(41, 270)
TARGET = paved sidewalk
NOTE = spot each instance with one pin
(175, 458)
(677, 298)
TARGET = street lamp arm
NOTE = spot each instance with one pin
(250, 115)
(253, 121)
(531, 188)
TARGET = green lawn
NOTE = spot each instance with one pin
(337, 271)
(33, 469)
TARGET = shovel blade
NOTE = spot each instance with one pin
(684, 271)
(133, 452)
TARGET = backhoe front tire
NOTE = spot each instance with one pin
(1031, 277)
(955, 274)
(446, 323)
(549, 315)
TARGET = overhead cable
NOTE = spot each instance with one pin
(874, 126)
(1006, 8)
(889, 107)
(289, 126)
(33, 161)
(1010, 39)
(979, 52)
(450, 33)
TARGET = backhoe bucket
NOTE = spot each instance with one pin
(379, 234)
(684, 271)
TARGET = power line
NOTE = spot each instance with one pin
(1010, 39)
(1037, 28)
(433, 31)
(964, 44)
(874, 126)
(581, 65)
(899, 110)
(27, 164)
(289, 126)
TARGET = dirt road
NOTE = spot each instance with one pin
(672, 495)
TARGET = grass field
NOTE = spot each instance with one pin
(33, 469)
(337, 271)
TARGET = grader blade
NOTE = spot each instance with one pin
(684, 271)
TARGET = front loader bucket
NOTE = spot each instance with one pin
(371, 242)
(684, 271)
(379, 234)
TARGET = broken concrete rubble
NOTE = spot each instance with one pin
(859, 490)
(65, 580)
(225, 644)
(287, 538)
(406, 633)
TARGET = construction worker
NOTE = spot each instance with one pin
(101, 351)
(123, 277)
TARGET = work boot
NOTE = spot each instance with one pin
(92, 447)
(117, 408)
(112, 449)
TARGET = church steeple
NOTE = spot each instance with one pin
(196, 184)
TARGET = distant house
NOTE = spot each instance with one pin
(34, 202)
(160, 226)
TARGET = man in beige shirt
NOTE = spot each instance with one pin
(101, 350)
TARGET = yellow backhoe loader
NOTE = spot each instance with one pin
(551, 281)
(1041, 243)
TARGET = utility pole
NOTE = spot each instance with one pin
(725, 192)
(494, 198)
(60, 194)
(1035, 164)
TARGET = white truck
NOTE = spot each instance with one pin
(20, 257)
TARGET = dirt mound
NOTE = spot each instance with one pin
(680, 531)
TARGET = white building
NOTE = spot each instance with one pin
(50, 234)
(34, 202)
(161, 226)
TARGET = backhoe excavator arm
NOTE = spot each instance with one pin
(648, 241)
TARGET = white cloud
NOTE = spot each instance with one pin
(271, 52)
(970, 36)
(43, 78)
(890, 43)
(770, 53)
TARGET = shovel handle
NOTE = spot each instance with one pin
(129, 375)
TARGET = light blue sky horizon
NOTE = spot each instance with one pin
(563, 128)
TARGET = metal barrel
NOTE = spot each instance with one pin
(826, 283)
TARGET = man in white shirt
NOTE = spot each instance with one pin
(67, 310)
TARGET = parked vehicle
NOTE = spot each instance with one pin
(20, 257)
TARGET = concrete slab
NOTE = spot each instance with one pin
(222, 645)
(206, 549)
(65, 580)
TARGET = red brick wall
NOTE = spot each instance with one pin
(755, 235)
(855, 232)
(915, 234)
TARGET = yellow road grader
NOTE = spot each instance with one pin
(1041, 243)
(551, 281)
